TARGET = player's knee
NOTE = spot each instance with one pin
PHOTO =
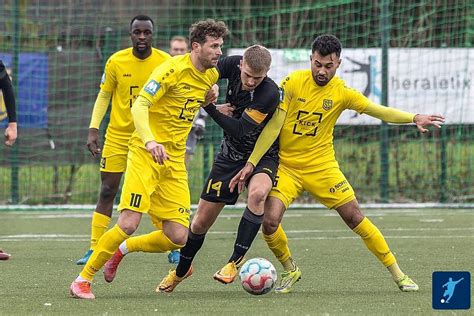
(107, 192)
(128, 221)
(270, 225)
(256, 198)
(354, 218)
(128, 227)
(199, 226)
(178, 237)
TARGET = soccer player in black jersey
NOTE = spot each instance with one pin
(6, 89)
(254, 97)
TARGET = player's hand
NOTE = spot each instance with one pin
(422, 120)
(211, 95)
(226, 109)
(157, 151)
(93, 141)
(240, 179)
(11, 134)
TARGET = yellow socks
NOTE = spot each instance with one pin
(104, 250)
(289, 264)
(397, 274)
(374, 240)
(100, 223)
(278, 244)
(156, 241)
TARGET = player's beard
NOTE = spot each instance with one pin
(321, 80)
(206, 63)
(142, 49)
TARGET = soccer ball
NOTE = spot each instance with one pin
(258, 276)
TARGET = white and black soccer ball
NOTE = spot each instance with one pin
(258, 276)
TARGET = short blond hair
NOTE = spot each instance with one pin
(178, 38)
(258, 58)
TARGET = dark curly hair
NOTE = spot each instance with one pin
(199, 30)
(326, 45)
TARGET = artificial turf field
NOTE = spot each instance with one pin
(340, 276)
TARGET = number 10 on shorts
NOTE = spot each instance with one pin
(135, 200)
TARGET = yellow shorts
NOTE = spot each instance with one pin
(160, 190)
(113, 159)
(329, 186)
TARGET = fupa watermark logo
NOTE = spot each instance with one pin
(451, 290)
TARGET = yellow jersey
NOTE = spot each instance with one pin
(124, 77)
(306, 138)
(176, 90)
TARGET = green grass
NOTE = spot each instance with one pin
(340, 276)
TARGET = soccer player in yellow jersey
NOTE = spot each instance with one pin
(313, 100)
(156, 180)
(125, 73)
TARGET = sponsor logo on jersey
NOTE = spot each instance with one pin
(341, 185)
(327, 104)
(127, 75)
(301, 99)
(183, 210)
(307, 123)
(152, 87)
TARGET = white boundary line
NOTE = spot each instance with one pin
(73, 237)
(436, 215)
(19, 238)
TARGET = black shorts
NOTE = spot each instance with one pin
(216, 188)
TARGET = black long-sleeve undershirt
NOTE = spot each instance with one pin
(8, 95)
(237, 128)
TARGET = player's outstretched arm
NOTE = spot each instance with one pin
(392, 115)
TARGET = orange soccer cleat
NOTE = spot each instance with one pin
(81, 290)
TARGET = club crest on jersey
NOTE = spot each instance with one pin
(102, 80)
(152, 87)
(327, 104)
